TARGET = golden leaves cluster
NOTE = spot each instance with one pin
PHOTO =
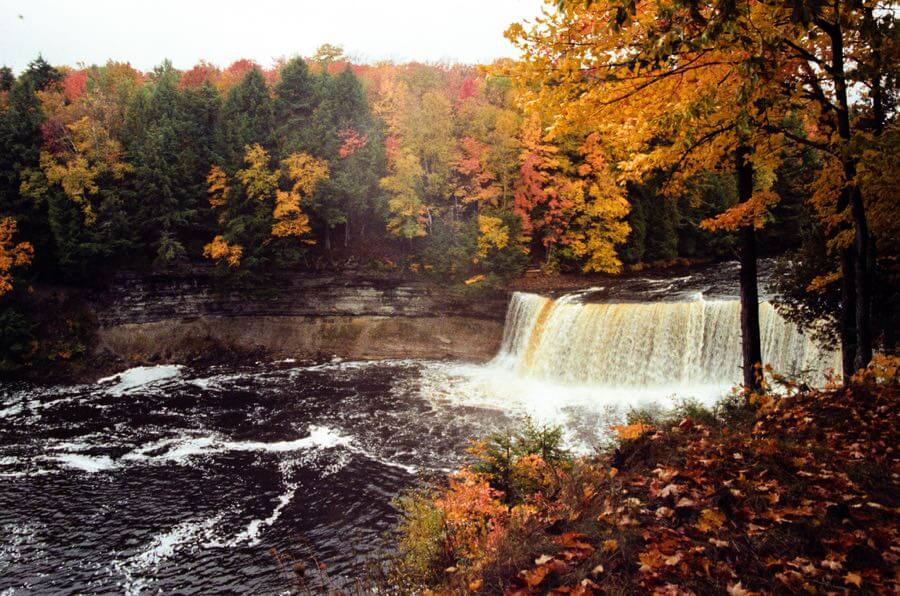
(12, 254)
(261, 184)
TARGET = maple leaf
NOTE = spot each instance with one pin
(739, 590)
(853, 579)
(684, 502)
(650, 560)
(630, 432)
(534, 577)
(669, 489)
(574, 540)
(710, 520)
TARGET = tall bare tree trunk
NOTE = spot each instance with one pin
(863, 281)
(856, 303)
(751, 349)
(848, 311)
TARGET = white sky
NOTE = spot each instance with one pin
(144, 32)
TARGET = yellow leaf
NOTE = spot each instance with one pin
(535, 576)
(631, 431)
(853, 578)
(710, 520)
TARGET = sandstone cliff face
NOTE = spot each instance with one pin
(176, 318)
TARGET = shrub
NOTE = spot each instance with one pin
(521, 463)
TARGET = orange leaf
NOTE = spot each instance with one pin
(535, 576)
(710, 520)
(853, 578)
(631, 431)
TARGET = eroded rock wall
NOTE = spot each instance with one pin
(361, 317)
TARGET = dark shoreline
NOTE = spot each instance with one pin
(188, 317)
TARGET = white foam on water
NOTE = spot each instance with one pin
(74, 446)
(348, 365)
(165, 545)
(161, 548)
(12, 411)
(140, 376)
(182, 449)
(86, 463)
(320, 437)
(409, 469)
(251, 535)
(500, 388)
(203, 383)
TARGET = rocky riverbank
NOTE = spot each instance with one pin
(180, 318)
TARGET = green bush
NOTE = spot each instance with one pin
(421, 533)
(16, 335)
(500, 452)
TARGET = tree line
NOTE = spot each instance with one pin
(611, 144)
(679, 88)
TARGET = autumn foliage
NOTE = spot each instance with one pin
(12, 254)
(796, 495)
(256, 192)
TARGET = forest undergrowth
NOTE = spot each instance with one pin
(791, 493)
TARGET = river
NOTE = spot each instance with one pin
(274, 475)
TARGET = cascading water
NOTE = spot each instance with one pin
(648, 344)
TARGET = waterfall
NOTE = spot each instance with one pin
(648, 344)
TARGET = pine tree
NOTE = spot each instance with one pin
(296, 98)
(171, 153)
(20, 145)
(350, 142)
(246, 118)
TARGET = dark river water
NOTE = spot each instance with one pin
(183, 480)
(269, 477)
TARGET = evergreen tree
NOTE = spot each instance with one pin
(246, 118)
(634, 248)
(349, 140)
(7, 78)
(660, 241)
(172, 154)
(296, 98)
(40, 75)
(20, 146)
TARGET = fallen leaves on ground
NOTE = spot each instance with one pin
(803, 499)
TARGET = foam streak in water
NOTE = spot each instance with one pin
(180, 450)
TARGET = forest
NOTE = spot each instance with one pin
(564, 161)
(445, 328)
